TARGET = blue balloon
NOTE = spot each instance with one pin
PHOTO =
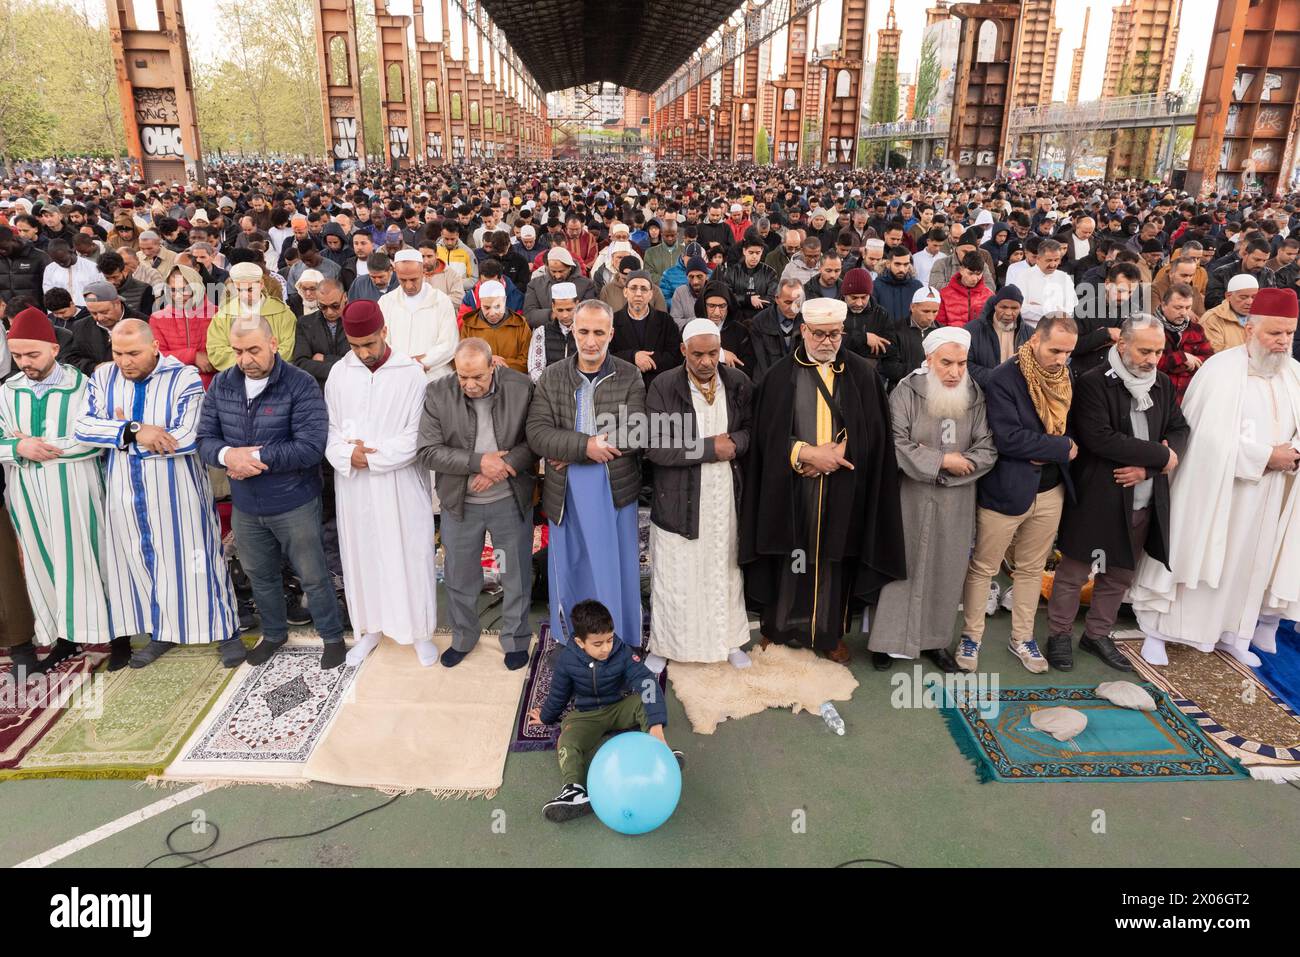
(634, 782)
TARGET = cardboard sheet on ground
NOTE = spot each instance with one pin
(780, 677)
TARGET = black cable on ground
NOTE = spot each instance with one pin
(203, 861)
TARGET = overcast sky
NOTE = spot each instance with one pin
(1193, 35)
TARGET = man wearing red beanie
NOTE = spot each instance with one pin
(867, 327)
(1234, 565)
(58, 480)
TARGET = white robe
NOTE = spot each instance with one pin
(697, 605)
(428, 330)
(384, 515)
(1233, 526)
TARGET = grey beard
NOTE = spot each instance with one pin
(1265, 363)
(944, 402)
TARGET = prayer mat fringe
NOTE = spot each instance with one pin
(952, 720)
(83, 774)
(440, 794)
(157, 781)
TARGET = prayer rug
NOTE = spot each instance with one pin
(541, 669)
(779, 677)
(1281, 671)
(29, 711)
(1231, 705)
(146, 713)
(409, 728)
(265, 726)
(993, 729)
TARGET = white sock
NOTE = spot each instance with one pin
(1265, 637)
(427, 652)
(1242, 654)
(362, 648)
(739, 659)
(1153, 651)
(656, 663)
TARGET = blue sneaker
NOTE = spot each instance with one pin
(1029, 655)
(968, 653)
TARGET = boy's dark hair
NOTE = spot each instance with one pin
(57, 298)
(590, 617)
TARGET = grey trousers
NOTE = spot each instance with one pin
(1108, 587)
(512, 543)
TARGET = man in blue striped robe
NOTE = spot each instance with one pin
(166, 575)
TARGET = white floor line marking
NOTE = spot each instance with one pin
(104, 831)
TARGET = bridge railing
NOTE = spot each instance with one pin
(1100, 113)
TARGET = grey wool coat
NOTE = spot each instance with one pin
(917, 613)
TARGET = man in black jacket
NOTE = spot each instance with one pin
(1254, 254)
(716, 303)
(1100, 316)
(905, 351)
(22, 267)
(137, 295)
(92, 335)
(752, 281)
(773, 332)
(1130, 432)
(320, 341)
(868, 330)
(646, 337)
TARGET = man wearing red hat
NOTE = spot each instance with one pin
(1234, 567)
(56, 478)
(375, 396)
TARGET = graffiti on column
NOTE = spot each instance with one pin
(345, 137)
(399, 141)
(159, 121)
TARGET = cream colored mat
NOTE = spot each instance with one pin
(780, 677)
(410, 728)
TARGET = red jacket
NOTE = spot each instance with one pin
(958, 304)
(1173, 362)
(584, 250)
(184, 333)
(738, 229)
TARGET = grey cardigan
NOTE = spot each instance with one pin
(447, 431)
(620, 392)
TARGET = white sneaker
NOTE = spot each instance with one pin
(739, 659)
(656, 663)
(991, 607)
(1007, 600)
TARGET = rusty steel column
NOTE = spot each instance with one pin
(724, 133)
(745, 110)
(839, 147)
(700, 104)
(156, 93)
(977, 131)
(394, 85)
(1247, 125)
(790, 90)
(1076, 63)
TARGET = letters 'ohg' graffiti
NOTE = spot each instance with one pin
(161, 141)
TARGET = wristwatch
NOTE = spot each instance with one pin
(132, 431)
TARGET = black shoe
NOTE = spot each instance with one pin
(681, 759)
(1060, 651)
(143, 657)
(295, 610)
(232, 652)
(514, 660)
(343, 610)
(62, 651)
(264, 650)
(334, 655)
(248, 617)
(570, 803)
(942, 659)
(119, 653)
(23, 660)
(451, 657)
(1104, 648)
(881, 661)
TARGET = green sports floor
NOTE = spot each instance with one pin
(770, 790)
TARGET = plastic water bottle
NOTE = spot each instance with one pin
(832, 718)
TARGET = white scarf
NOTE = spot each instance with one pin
(1138, 386)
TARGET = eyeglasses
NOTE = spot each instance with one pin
(819, 336)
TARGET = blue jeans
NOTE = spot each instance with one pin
(263, 542)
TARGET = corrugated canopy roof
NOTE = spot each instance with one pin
(637, 45)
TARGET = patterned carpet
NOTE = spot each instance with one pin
(27, 713)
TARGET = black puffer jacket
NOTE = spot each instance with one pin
(21, 274)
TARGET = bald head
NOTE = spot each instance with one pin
(132, 327)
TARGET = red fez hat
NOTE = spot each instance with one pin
(34, 325)
(857, 282)
(362, 318)
(1275, 302)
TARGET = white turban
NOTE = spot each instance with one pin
(943, 335)
(1242, 282)
(492, 289)
(700, 327)
(824, 312)
(875, 245)
(564, 290)
(310, 275)
(408, 256)
(245, 272)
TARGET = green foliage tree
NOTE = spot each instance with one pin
(762, 147)
(927, 78)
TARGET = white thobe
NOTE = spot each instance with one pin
(384, 517)
(424, 326)
(1044, 293)
(697, 592)
(1202, 616)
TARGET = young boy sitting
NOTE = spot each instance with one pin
(612, 690)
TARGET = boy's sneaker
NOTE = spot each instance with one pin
(1007, 600)
(570, 803)
(968, 653)
(681, 759)
(1029, 655)
(991, 606)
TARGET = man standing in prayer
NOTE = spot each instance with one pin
(700, 414)
(264, 422)
(505, 331)
(386, 536)
(1130, 432)
(1234, 515)
(163, 569)
(944, 446)
(583, 421)
(247, 297)
(553, 340)
(821, 528)
(57, 504)
(421, 320)
(472, 437)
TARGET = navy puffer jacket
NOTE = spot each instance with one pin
(288, 420)
(592, 684)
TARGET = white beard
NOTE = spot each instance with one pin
(947, 402)
(1265, 363)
